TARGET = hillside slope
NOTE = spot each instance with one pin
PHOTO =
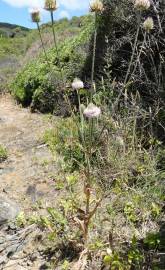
(14, 41)
(12, 30)
(37, 84)
(18, 45)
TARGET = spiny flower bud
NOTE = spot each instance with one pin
(148, 24)
(96, 6)
(92, 111)
(50, 5)
(77, 84)
(35, 15)
(142, 4)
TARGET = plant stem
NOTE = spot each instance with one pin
(39, 30)
(94, 54)
(134, 48)
(144, 41)
(56, 47)
(81, 117)
(133, 53)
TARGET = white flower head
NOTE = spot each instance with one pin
(148, 24)
(77, 84)
(142, 4)
(92, 111)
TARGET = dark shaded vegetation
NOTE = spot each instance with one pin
(119, 25)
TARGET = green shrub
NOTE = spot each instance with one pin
(39, 85)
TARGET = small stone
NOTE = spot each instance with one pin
(8, 210)
(12, 226)
(34, 256)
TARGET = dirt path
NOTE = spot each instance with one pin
(26, 177)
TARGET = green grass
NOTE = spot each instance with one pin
(3, 153)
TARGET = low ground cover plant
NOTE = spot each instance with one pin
(3, 153)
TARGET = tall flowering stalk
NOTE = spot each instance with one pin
(134, 47)
(51, 6)
(140, 5)
(36, 18)
(148, 25)
(87, 130)
(91, 113)
(77, 85)
(96, 7)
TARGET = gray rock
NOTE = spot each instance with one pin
(8, 210)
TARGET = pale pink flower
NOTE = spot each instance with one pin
(77, 84)
(92, 111)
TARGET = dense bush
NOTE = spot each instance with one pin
(36, 84)
(116, 34)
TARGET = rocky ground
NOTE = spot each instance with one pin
(26, 181)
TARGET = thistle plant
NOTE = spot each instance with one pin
(139, 5)
(96, 7)
(142, 4)
(51, 6)
(36, 18)
(89, 115)
(77, 85)
(87, 129)
(148, 25)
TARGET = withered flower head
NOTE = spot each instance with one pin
(96, 6)
(50, 5)
(142, 4)
(148, 24)
(35, 15)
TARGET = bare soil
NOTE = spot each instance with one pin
(27, 176)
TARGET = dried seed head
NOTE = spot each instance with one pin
(142, 4)
(119, 141)
(50, 5)
(148, 24)
(96, 6)
(92, 111)
(35, 15)
(77, 84)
